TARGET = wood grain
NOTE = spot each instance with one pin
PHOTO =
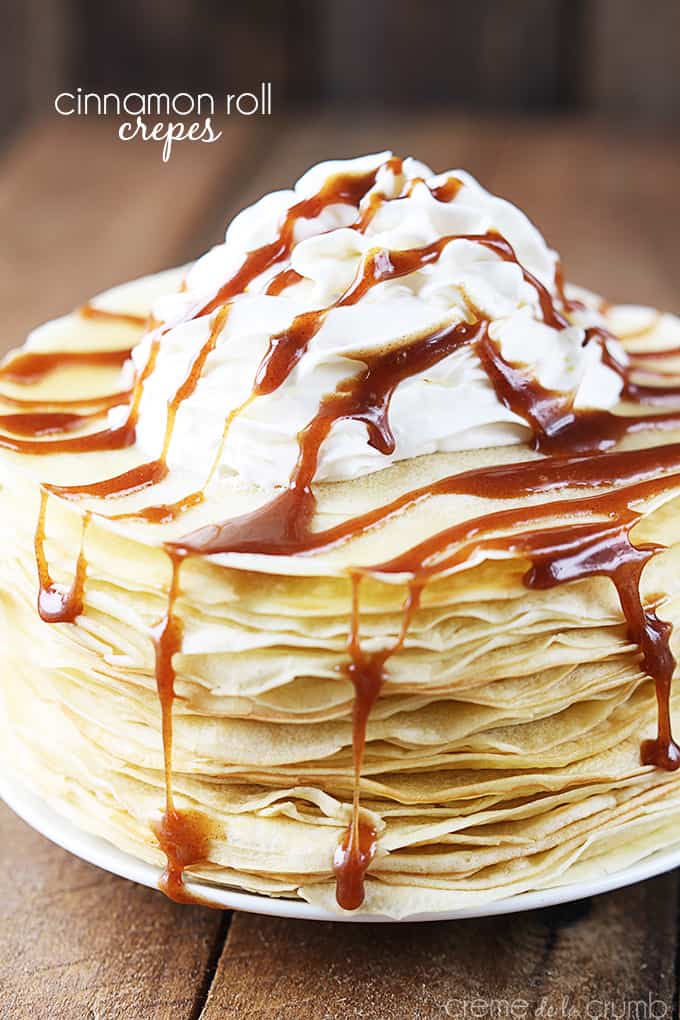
(78, 944)
(554, 963)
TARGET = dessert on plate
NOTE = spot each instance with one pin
(344, 563)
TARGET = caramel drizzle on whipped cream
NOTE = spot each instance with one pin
(563, 540)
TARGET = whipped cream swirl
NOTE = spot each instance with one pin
(451, 406)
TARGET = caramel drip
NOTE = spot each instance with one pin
(570, 552)
(167, 641)
(188, 386)
(183, 836)
(286, 278)
(32, 366)
(609, 552)
(163, 513)
(447, 191)
(45, 423)
(125, 484)
(568, 304)
(55, 604)
(557, 427)
(367, 671)
(632, 390)
(89, 311)
(352, 858)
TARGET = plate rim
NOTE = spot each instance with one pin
(96, 850)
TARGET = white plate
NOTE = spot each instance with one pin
(102, 853)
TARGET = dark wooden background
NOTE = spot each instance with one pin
(615, 57)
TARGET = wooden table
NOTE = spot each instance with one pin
(80, 211)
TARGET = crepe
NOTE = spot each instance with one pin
(422, 687)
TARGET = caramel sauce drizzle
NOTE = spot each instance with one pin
(153, 472)
(279, 283)
(570, 552)
(125, 484)
(176, 833)
(447, 191)
(45, 423)
(56, 604)
(367, 672)
(596, 545)
(106, 439)
(636, 392)
(558, 427)
(345, 189)
(31, 367)
(183, 836)
(94, 442)
(283, 524)
(48, 417)
(287, 348)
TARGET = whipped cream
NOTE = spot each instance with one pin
(451, 406)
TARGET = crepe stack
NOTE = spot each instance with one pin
(470, 558)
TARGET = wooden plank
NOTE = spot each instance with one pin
(557, 963)
(78, 943)
(630, 63)
(81, 210)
